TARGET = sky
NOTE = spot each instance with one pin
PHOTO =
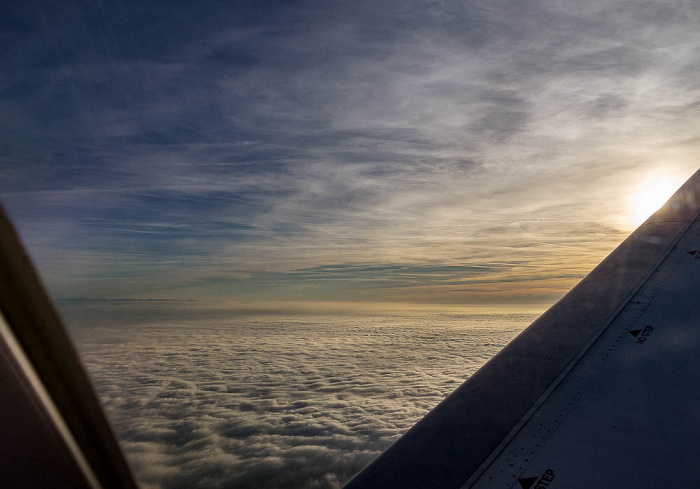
(462, 152)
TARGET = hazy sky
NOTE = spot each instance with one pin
(424, 151)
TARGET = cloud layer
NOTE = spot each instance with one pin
(192, 151)
(276, 401)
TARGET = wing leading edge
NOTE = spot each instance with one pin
(585, 393)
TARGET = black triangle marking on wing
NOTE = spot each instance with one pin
(527, 482)
(694, 252)
(635, 332)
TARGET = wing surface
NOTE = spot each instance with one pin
(600, 391)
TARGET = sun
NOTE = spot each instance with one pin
(651, 196)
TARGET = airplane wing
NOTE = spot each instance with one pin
(53, 433)
(598, 392)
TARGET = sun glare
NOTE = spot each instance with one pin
(651, 196)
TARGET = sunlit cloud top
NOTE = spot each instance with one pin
(386, 150)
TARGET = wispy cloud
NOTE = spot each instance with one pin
(146, 155)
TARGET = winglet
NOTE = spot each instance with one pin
(54, 432)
